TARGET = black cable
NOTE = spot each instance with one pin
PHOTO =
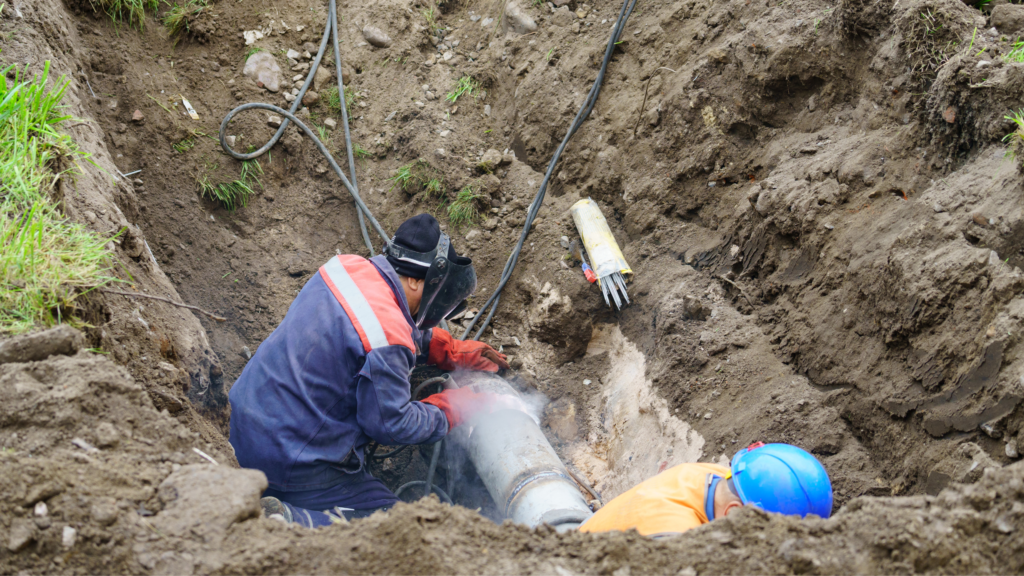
(437, 490)
(428, 382)
(433, 465)
(330, 30)
(588, 106)
(387, 455)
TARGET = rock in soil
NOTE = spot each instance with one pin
(264, 70)
(517, 19)
(376, 37)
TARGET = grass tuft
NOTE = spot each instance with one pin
(46, 261)
(235, 194)
(462, 209)
(179, 18)
(332, 100)
(464, 87)
(1015, 139)
(360, 152)
(1016, 53)
(132, 12)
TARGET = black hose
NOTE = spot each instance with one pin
(387, 455)
(330, 30)
(428, 382)
(433, 463)
(437, 490)
(588, 106)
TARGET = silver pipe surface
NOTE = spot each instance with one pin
(523, 474)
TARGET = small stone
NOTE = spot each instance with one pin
(448, 55)
(107, 436)
(376, 37)
(293, 54)
(40, 509)
(247, 355)
(307, 56)
(21, 534)
(330, 123)
(420, 104)
(263, 68)
(297, 78)
(444, 134)
(707, 416)
(829, 227)
(1011, 450)
(486, 22)
(487, 109)
(309, 47)
(275, 121)
(938, 208)
(585, 383)
(310, 98)
(67, 537)
(517, 19)
(949, 115)
(490, 160)
(439, 152)
(288, 97)
(138, 117)
(430, 61)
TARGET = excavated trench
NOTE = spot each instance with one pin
(824, 229)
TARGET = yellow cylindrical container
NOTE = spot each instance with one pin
(606, 258)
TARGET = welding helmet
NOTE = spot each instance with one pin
(781, 478)
(449, 280)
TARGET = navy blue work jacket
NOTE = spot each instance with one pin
(333, 376)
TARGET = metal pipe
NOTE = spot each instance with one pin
(523, 474)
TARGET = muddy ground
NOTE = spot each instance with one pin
(825, 230)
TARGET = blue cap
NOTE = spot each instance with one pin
(782, 478)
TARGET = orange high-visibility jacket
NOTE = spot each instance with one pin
(667, 504)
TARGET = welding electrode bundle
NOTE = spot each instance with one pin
(608, 265)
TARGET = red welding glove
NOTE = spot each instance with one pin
(448, 353)
(459, 404)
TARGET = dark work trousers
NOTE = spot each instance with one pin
(357, 496)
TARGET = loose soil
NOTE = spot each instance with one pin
(823, 224)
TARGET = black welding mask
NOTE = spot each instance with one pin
(447, 285)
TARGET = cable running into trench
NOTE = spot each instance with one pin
(330, 31)
(531, 215)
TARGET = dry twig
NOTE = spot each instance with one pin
(167, 300)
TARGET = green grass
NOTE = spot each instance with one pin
(1016, 53)
(360, 152)
(432, 24)
(1015, 139)
(133, 12)
(184, 146)
(464, 87)
(325, 136)
(46, 261)
(433, 187)
(179, 18)
(332, 100)
(235, 194)
(404, 177)
(462, 210)
(251, 51)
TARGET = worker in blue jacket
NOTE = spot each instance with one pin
(334, 375)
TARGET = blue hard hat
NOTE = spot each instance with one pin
(782, 478)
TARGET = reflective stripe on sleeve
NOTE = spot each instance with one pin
(351, 298)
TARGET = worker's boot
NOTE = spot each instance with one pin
(274, 508)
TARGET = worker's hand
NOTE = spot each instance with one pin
(448, 353)
(459, 404)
